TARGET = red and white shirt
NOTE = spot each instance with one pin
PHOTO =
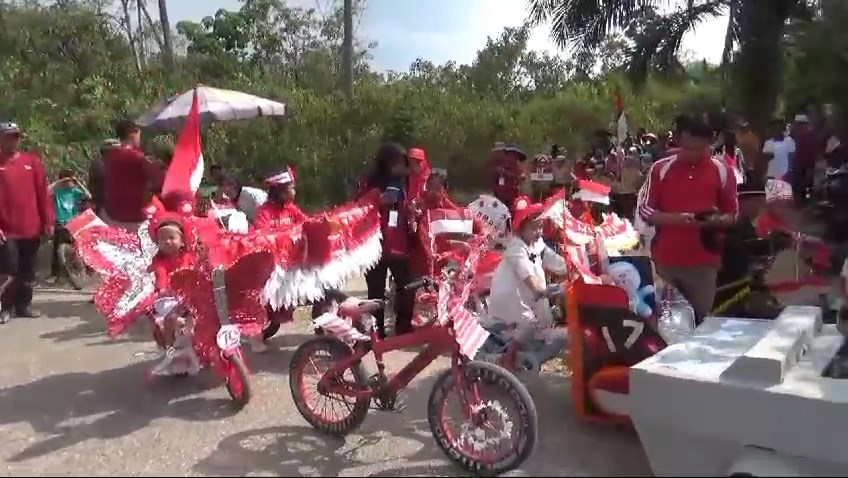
(677, 186)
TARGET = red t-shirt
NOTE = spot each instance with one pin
(505, 185)
(270, 215)
(677, 186)
(127, 176)
(25, 205)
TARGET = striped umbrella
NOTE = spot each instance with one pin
(215, 105)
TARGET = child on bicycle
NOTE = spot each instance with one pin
(279, 211)
(520, 295)
(69, 195)
(174, 239)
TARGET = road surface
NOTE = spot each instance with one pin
(73, 402)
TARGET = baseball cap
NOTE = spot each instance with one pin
(9, 127)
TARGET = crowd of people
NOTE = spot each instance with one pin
(678, 184)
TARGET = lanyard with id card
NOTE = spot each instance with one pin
(393, 218)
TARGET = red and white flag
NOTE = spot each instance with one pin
(451, 221)
(621, 119)
(83, 221)
(186, 168)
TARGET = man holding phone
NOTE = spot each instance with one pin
(680, 190)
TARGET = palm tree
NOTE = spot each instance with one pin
(752, 43)
(166, 35)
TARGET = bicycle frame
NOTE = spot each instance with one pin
(436, 339)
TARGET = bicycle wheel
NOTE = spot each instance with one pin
(339, 415)
(510, 408)
(238, 381)
(77, 272)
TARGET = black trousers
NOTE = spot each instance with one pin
(404, 300)
(61, 236)
(17, 259)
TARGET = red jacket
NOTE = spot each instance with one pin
(25, 206)
(270, 215)
(162, 267)
(128, 177)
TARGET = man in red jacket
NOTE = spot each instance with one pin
(129, 179)
(26, 213)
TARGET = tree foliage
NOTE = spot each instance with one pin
(69, 70)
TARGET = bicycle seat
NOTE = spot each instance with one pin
(357, 307)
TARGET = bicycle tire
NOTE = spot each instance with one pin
(78, 281)
(338, 350)
(238, 370)
(501, 377)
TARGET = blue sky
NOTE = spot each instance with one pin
(442, 30)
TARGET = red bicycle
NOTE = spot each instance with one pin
(498, 426)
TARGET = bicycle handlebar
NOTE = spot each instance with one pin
(418, 284)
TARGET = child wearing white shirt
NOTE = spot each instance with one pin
(519, 295)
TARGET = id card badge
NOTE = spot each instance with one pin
(501, 181)
(393, 218)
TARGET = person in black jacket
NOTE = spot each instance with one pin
(743, 248)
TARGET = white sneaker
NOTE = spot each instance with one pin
(258, 345)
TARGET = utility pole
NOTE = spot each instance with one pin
(347, 49)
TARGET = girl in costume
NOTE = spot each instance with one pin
(280, 210)
(176, 244)
(520, 293)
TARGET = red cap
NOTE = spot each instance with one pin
(524, 210)
(417, 154)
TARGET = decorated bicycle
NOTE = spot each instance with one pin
(494, 433)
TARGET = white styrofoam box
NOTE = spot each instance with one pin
(701, 405)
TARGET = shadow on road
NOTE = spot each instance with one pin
(385, 438)
(75, 407)
(55, 303)
(401, 444)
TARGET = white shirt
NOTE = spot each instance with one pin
(249, 201)
(511, 300)
(782, 152)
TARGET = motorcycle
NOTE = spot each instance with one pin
(830, 199)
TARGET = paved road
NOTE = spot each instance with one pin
(72, 402)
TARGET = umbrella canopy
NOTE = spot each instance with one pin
(215, 105)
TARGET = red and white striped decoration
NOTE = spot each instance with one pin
(579, 262)
(340, 328)
(469, 334)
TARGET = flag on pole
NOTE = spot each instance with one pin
(186, 168)
(621, 119)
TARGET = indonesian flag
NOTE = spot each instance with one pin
(591, 191)
(186, 168)
(83, 221)
(621, 119)
(556, 209)
(451, 221)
